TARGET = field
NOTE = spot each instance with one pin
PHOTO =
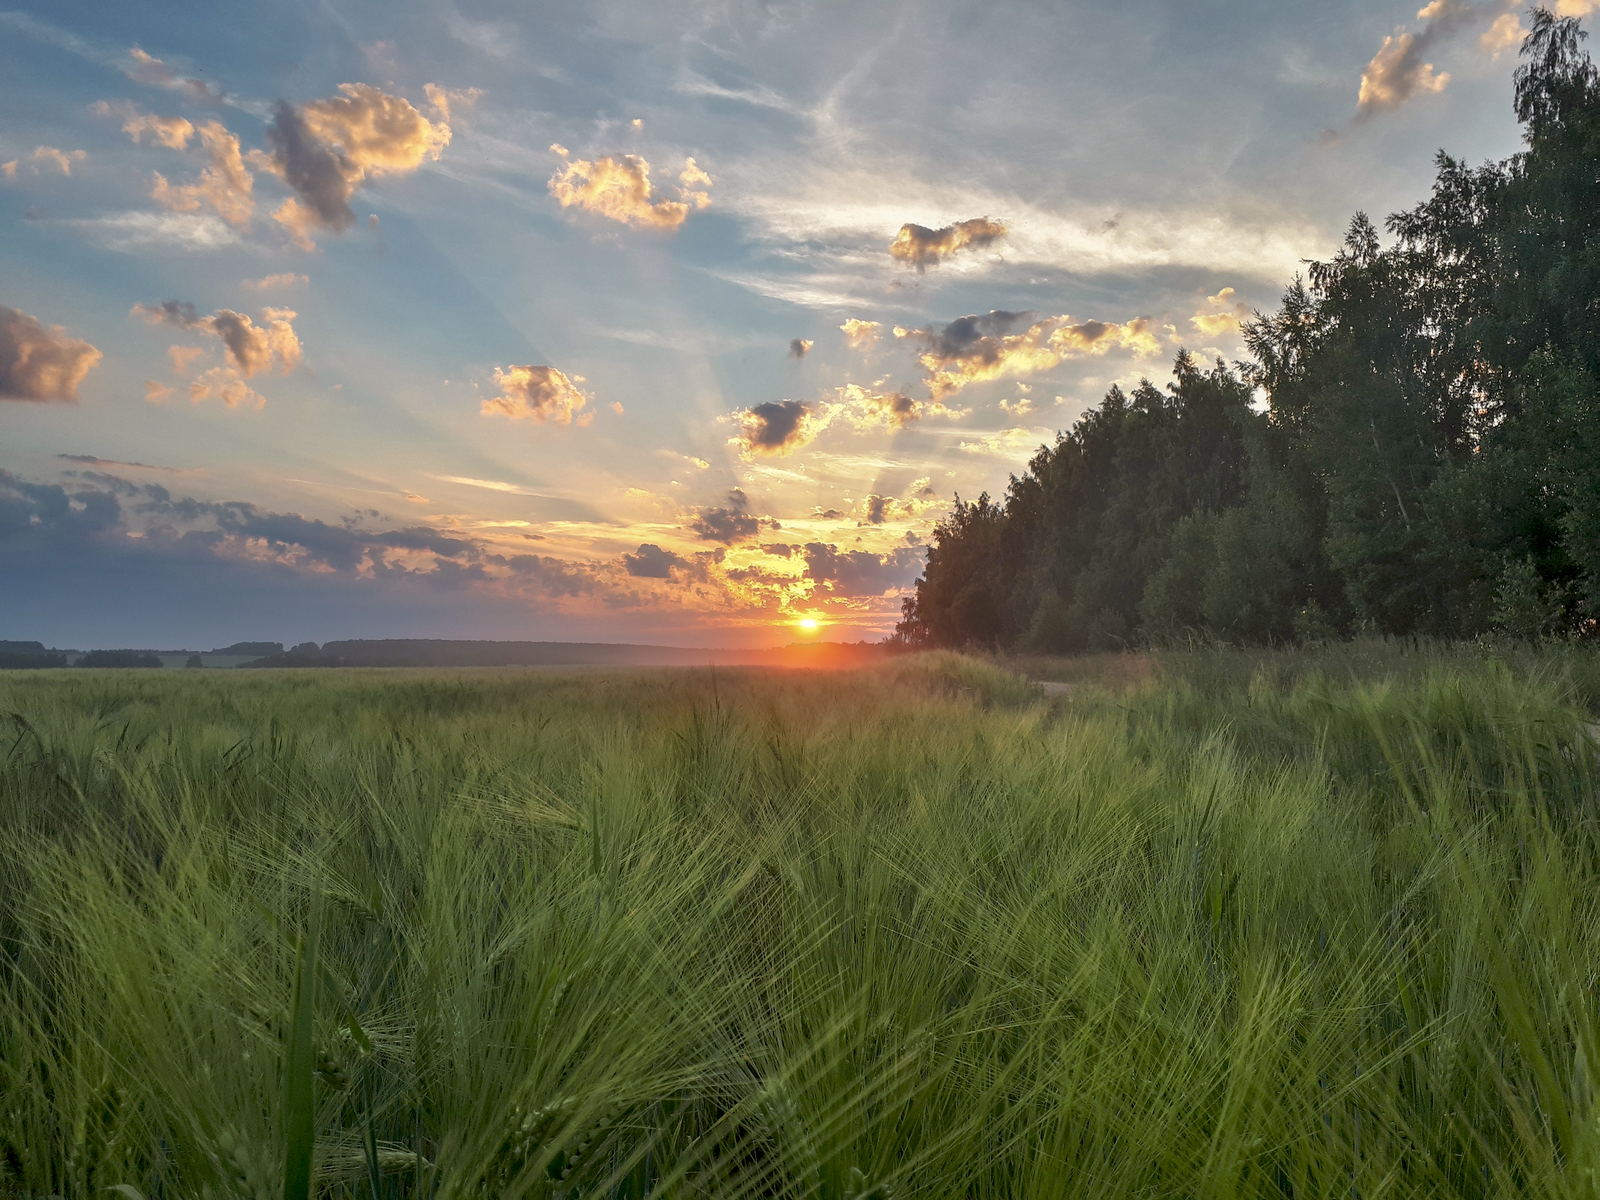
(1208, 925)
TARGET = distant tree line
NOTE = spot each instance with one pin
(1427, 460)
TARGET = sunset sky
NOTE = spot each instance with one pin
(653, 321)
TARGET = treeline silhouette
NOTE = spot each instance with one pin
(1427, 461)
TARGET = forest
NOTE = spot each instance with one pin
(1413, 449)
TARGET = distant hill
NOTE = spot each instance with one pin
(439, 652)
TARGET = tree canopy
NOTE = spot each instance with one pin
(1427, 460)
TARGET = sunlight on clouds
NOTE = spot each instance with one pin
(328, 148)
(224, 182)
(539, 394)
(861, 335)
(976, 348)
(778, 428)
(252, 348)
(921, 247)
(1505, 34)
(1396, 73)
(1221, 315)
(225, 384)
(62, 160)
(40, 362)
(620, 190)
(1007, 443)
(171, 132)
(280, 280)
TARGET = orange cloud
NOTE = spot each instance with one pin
(40, 362)
(620, 190)
(859, 334)
(252, 348)
(1396, 74)
(975, 348)
(778, 429)
(866, 409)
(156, 393)
(538, 393)
(921, 247)
(182, 356)
(146, 68)
(224, 383)
(63, 159)
(172, 132)
(442, 98)
(1221, 316)
(224, 183)
(325, 150)
(1505, 34)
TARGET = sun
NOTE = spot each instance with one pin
(808, 623)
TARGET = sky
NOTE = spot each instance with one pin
(659, 321)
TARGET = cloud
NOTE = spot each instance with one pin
(975, 348)
(156, 392)
(443, 97)
(328, 148)
(538, 393)
(90, 460)
(859, 334)
(268, 282)
(40, 362)
(182, 356)
(63, 159)
(652, 562)
(1006, 443)
(727, 525)
(1221, 315)
(692, 175)
(620, 190)
(856, 573)
(225, 384)
(252, 348)
(172, 132)
(921, 247)
(136, 230)
(800, 347)
(1398, 72)
(224, 182)
(778, 428)
(146, 68)
(867, 409)
(1505, 34)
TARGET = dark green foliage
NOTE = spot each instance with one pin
(1428, 462)
(22, 660)
(119, 658)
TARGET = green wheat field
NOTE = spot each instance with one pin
(1206, 924)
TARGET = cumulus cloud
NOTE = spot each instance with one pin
(856, 573)
(652, 562)
(172, 132)
(182, 356)
(975, 348)
(800, 347)
(921, 247)
(866, 409)
(1399, 71)
(328, 148)
(251, 348)
(1221, 314)
(62, 160)
(538, 393)
(225, 384)
(40, 362)
(224, 182)
(730, 524)
(778, 428)
(619, 189)
(859, 334)
(1505, 34)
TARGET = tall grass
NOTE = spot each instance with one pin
(905, 931)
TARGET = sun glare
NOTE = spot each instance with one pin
(808, 623)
